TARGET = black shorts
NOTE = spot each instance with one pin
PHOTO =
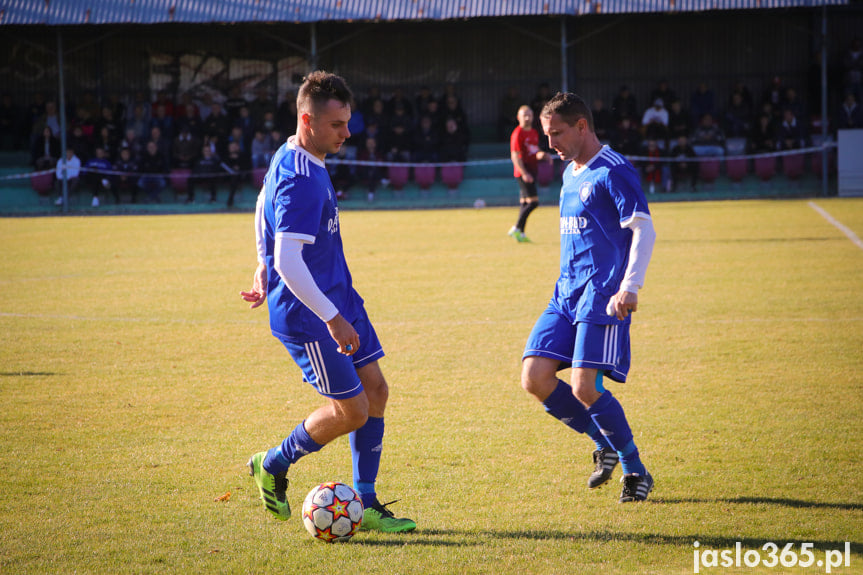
(527, 191)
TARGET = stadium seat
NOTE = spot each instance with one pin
(545, 174)
(42, 184)
(708, 171)
(792, 166)
(258, 177)
(179, 180)
(737, 169)
(398, 177)
(765, 168)
(424, 176)
(451, 176)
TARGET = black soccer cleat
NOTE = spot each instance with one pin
(635, 487)
(604, 460)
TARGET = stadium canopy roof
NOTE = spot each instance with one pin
(72, 12)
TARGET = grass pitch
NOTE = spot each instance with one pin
(135, 383)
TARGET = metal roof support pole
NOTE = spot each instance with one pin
(564, 74)
(824, 120)
(62, 110)
(313, 48)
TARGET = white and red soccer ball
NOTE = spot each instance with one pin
(332, 512)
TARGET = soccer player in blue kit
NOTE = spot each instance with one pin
(606, 240)
(314, 310)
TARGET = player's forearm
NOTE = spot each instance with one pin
(643, 238)
(295, 273)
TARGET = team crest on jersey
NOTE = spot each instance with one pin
(584, 191)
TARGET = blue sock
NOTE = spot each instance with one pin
(563, 405)
(296, 445)
(608, 415)
(366, 447)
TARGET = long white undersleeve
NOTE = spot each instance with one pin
(643, 238)
(260, 242)
(295, 273)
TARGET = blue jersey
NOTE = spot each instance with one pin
(596, 201)
(301, 204)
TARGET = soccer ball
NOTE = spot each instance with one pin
(332, 512)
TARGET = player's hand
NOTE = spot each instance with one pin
(622, 304)
(528, 179)
(344, 334)
(258, 293)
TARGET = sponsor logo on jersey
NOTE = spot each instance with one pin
(584, 191)
(333, 223)
(572, 224)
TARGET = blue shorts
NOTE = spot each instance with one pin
(331, 373)
(590, 345)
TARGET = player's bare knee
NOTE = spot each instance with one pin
(536, 380)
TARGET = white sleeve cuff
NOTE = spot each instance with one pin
(643, 238)
(295, 273)
(260, 242)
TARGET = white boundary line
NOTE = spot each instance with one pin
(841, 227)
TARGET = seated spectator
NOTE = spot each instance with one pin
(654, 122)
(399, 140)
(165, 102)
(277, 140)
(623, 106)
(77, 141)
(96, 176)
(107, 122)
(377, 115)
(162, 144)
(852, 68)
(762, 139)
(421, 102)
(357, 128)
(701, 102)
(791, 133)
(342, 175)
(683, 171)
(774, 95)
(126, 180)
(708, 139)
(664, 92)
(152, 168)
(185, 149)
(679, 121)
(370, 176)
(850, 116)
(71, 165)
(399, 99)
(453, 143)
(261, 149)
(627, 139)
(738, 122)
(653, 170)
(452, 109)
(233, 104)
(191, 121)
(136, 145)
(139, 122)
(205, 172)
(217, 123)
(181, 110)
(45, 151)
(426, 142)
(163, 121)
(49, 117)
(603, 121)
(237, 162)
(237, 136)
(105, 141)
(792, 102)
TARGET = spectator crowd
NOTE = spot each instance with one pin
(127, 145)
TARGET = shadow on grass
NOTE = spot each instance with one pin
(26, 373)
(795, 503)
(466, 538)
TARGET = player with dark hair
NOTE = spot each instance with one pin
(606, 240)
(525, 155)
(314, 310)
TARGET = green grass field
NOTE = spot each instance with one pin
(135, 384)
